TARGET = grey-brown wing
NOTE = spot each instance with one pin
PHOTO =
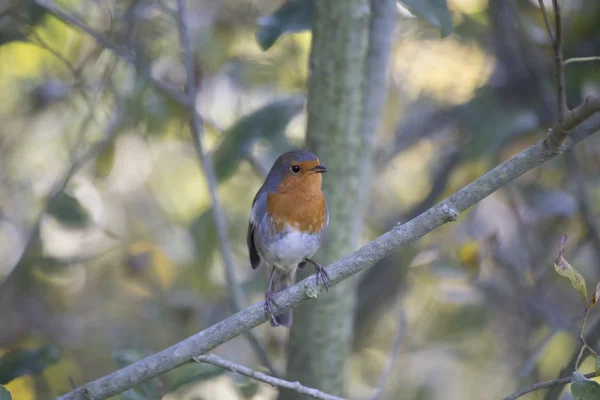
(254, 257)
(259, 208)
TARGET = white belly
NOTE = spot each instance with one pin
(289, 249)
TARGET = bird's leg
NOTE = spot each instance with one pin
(269, 301)
(321, 273)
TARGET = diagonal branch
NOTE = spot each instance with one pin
(363, 258)
(259, 376)
(197, 129)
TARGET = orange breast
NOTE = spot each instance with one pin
(301, 210)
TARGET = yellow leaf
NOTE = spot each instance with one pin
(565, 269)
(22, 388)
(469, 253)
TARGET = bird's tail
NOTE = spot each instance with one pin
(281, 281)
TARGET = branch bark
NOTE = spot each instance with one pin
(320, 338)
(445, 211)
(259, 376)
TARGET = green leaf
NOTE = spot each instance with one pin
(292, 16)
(13, 29)
(247, 387)
(4, 393)
(433, 11)
(597, 366)
(583, 388)
(565, 269)
(268, 122)
(189, 373)
(68, 211)
(20, 362)
(131, 394)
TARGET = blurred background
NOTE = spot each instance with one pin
(108, 250)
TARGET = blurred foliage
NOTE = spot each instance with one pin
(434, 11)
(293, 16)
(17, 17)
(268, 122)
(19, 362)
(126, 257)
(67, 210)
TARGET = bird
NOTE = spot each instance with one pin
(288, 220)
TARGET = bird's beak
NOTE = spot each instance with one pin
(319, 169)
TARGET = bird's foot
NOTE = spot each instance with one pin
(269, 302)
(321, 273)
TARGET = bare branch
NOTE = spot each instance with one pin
(544, 385)
(584, 344)
(363, 258)
(557, 45)
(560, 131)
(197, 129)
(580, 60)
(259, 376)
(546, 21)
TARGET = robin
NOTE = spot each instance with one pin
(289, 216)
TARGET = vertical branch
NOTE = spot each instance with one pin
(557, 45)
(197, 129)
(321, 335)
(546, 21)
(346, 96)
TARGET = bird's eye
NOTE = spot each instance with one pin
(295, 169)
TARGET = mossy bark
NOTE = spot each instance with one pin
(345, 97)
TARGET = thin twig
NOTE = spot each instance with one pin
(259, 376)
(580, 60)
(445, 211)
(592, 336)
(557, 45)
(585, 345)
(560, 131)
(197, 129)
(77, 162)
(585, 205)
(546, 21)
(124, 54)
(397, 345)
(544, 385)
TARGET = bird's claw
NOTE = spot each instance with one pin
(269, 308)
(322, 273)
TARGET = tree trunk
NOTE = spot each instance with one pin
(348, 65)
